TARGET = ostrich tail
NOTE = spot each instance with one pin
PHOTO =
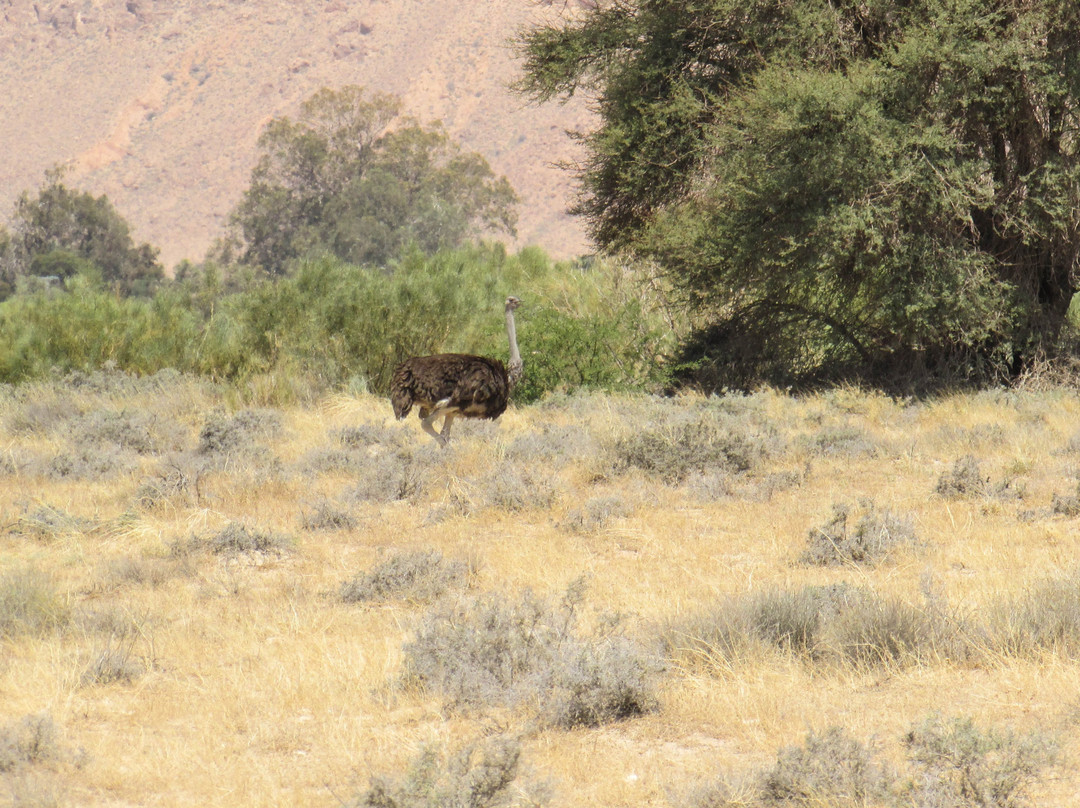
(400, 392)
(402, 402)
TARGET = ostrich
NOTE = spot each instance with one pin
(448, 385)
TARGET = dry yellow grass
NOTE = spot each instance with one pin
(261, 687)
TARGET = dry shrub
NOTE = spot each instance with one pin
(176, 483)
(830, 624)
(138, 431)
(242, 434)
(552, 446)
(958, 765)
(31, 741)
(480, 775)
(487, 651)
(393, 476)
(239, 539)
(832, 768)
(509, 486)
(369, 434)
(1045, 617)
(417, 577)
(115, 663)
(843, 441)
(875, 631)
(149, 572)
(47, 523)
(875, 537)
(1067, 504)
(87, 463)
(595, 514)
(672, 452)
(325, 516)
(964, 480)
(950, 764)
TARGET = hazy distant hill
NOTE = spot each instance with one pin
(158, 103)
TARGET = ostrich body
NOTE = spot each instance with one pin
(450, 385)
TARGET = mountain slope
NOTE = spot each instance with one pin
(159, 103)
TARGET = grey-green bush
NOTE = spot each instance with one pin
(417, 576)
(486, 650)
(480, 775)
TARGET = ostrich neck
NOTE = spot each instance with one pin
(511, 332)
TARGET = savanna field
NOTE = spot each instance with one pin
(832, 599)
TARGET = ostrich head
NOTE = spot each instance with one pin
(515, 368)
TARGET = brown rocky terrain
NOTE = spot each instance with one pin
(159, 103)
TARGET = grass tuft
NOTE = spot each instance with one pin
(30, 603)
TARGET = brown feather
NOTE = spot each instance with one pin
(475, 386)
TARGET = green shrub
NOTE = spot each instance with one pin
(330, 324)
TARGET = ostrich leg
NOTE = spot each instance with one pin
(446, 426)
(442, 410)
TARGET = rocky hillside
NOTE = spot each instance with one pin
(159, 103)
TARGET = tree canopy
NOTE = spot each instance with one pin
(61, 232)
(354, 178)
(881, 188)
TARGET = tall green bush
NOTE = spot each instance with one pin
(333, 324)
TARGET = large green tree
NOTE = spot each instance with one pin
(61, 232)
(888, 188)
(354, 178)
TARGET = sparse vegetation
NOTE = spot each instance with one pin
(409, 591)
